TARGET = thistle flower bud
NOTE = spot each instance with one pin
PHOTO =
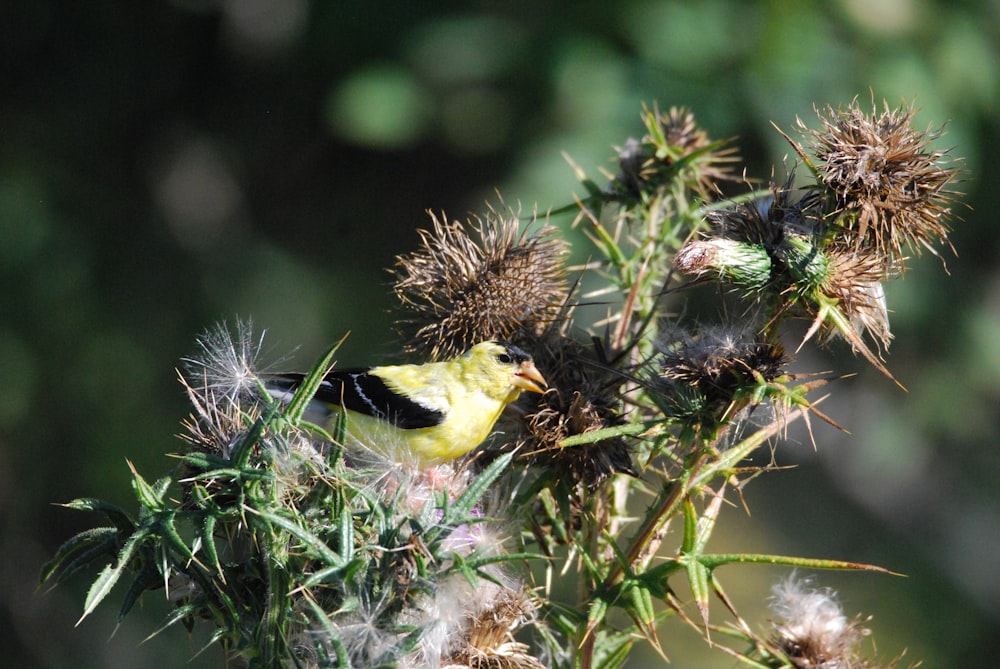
(807, 265)
(740, 263)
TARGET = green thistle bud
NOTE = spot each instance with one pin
(741, 263)
(807, 265)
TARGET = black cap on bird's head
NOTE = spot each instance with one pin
(527, 377)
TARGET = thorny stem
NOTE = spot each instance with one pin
(698, 474)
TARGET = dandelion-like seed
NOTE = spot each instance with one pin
(456, 291)
(890, 186)
(223, 384)
(812, 629)
(227, 364)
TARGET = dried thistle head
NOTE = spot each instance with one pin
(704, 380)
(812, 630)
(766, 220)
(890, 185)
(584, 395)
(854, 281)
(674, 147)
(488, 641)
(456, 290)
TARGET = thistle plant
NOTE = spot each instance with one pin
(299, 548)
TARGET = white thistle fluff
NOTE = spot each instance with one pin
(813, 630)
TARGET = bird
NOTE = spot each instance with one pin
(427, 413)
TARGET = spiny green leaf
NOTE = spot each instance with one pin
(698, 575)
(308, 539)
(111, 573)
(310, 384)
(459, 510)
(332, 634)
(100, 588)
(86, 546)
(613, 650)
(149, 496)
(207, 531)
(593, 436)
(148, 579)
(117, 515)
(712, 561)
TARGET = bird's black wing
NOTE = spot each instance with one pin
(357, 390)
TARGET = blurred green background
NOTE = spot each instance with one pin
(165, 165)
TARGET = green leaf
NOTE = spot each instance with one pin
(330, 631)
(596, 613)
(346, 533)
(594, 436)
(305, 537)
(641, 609)
(207, 532)
(86, 546)
(106, 580)
(698, 575)
(168, 531)
(149, 496)
(612, 650)
(310, 384)
(459, 510)
(100, 588)
(148, 579)
(117, 515)
(712, 561)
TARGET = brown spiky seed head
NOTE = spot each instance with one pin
(477, 281)
(674, 147)
(489, 641)
(720, 361)
(855, 280)
(891, 187)
(584, 395)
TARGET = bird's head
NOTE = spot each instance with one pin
(510, 366)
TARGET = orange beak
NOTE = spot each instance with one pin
(527, 377)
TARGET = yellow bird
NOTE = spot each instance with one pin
(428, 413)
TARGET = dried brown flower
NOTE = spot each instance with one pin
(674, 145)
(812, 630)
(890, 185)
(584, 395)
(489, 642)
(456, 291)
(855, 282)
(704, 380)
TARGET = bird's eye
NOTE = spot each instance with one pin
(504, 358)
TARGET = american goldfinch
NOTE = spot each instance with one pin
(426, 413)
